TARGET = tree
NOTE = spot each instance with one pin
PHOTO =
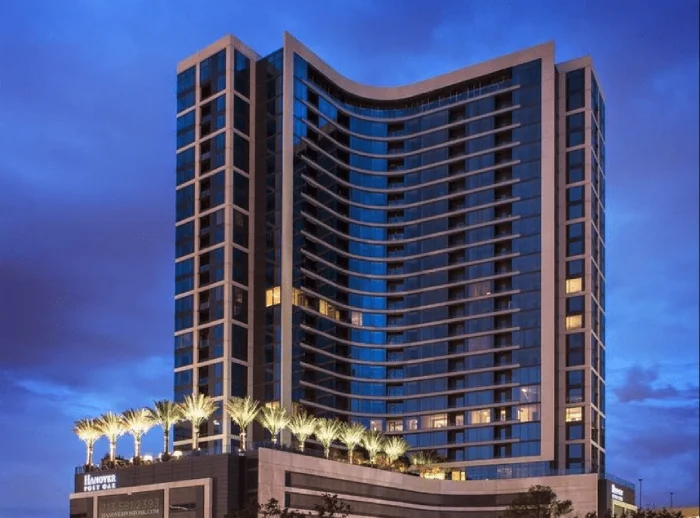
(196, 409)
(273, 418)
(302, 426)
(394, 447)
(166, 414)
(137, 422)
(373, 442)
(111, 425)
(351, 435)
(538, 502)
(327, 431)
(88, 430)
(330, 507)
(243, 411)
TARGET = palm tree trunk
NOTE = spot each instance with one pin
(166, 440)
(137, 447)
(274, 438)
(327, 451)
(90, 447)
(112, 450)
(241, 446)
(195, 437)
(350, 455)
(301, 446)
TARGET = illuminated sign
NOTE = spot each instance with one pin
(99, 482)
(136, 505)
(618, 494)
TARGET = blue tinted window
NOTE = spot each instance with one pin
(185, 129)
(184, 205)
(183, 312)
(185, 89)
(241, 74)
(185, 165)
(575, 129)
(240, 190)
(211, 267)
(239, 342)
(184, 276)
(240, 153)
(574, 166)
(184, 239)
(240, 266)
(241, 115)
(212, 74)
(575, 88)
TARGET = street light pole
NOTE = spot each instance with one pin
(640, 493)
(671, 499)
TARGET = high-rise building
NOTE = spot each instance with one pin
(427, 259)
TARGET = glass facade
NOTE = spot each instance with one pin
(212, 236)
(384, 261)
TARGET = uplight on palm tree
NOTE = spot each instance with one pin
(111, 425)
(394, 447)
(88, 430)
(328, 431)
(137, 422)
(302, 425)
(273, 418)
(243, 411)
(166, 414)
(351, 435)
(197, 408)
(373, 442)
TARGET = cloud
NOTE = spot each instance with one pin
(639, 387)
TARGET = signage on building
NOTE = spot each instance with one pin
(148, 504)
(99, 482)
(618, 493)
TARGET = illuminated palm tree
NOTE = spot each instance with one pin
(328, 431)
(137, 422)
(166, 414)
(243, 411)
(273, 418)
(197, 408)
(351, 435)
(88, 430)
(302, 425)
(394, 447)
(112, 426)
(373, 441)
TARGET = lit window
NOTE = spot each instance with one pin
(326, 308)
(480, 289)
(480, 416)
(272, 296)
(574, 285)
(459, 420)
(299, 297)
(528, 413)
(434, 421)
(574, 322)
(356, 318)
(412, 424)
(376, 425)
(502, 415)
(395, 425)
(574, 414)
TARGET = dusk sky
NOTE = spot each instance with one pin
(87, 125)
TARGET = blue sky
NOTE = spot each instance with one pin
(87, 201)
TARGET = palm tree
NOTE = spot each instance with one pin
(111, 425)
(394, 447)
(351, 435)
(197, 408)
(166, 414)
(243, 411)
(302, 425)
(328, 431)
(273, 418)
(88, 430)
(373, 441)
(137, 422)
